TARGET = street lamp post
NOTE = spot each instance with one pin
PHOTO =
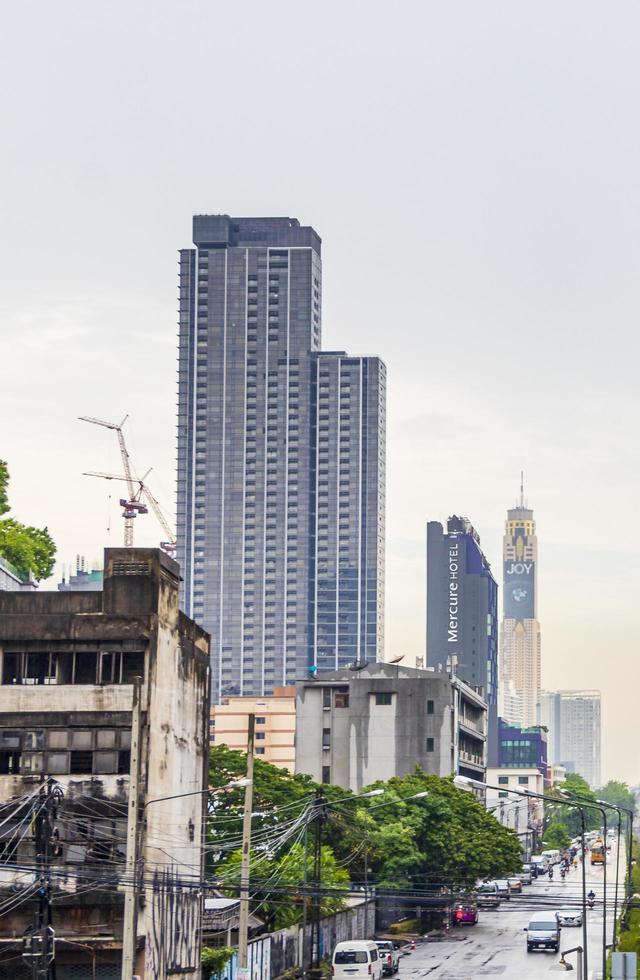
(464, 783)
(602, 810)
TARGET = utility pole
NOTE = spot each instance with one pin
(243, 925)
(39, 941)
(130, 930)
(320, 817)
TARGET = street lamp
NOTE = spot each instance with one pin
(595, 806)
(463, 782)
(619, 810)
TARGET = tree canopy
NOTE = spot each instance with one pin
(30, 550)
(445, 838)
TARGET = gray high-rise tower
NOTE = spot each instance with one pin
(280, 467)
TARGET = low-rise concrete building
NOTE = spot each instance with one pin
(523, 815)
(275, 725)
(69, 723)
(357, 726)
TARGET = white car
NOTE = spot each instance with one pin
(569, 917)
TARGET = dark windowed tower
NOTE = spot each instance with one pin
(250, 322)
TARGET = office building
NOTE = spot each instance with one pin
(574, 723)
(522, 747)
(275, 725)
(462, 612)
(355, 727)
(520, 629)
(82, 579)
(68, 709)
(280, 502)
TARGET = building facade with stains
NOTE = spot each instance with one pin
(68, 668)
(354, 727)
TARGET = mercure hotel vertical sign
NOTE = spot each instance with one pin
(454, 583)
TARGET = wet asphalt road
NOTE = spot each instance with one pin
(496, 946)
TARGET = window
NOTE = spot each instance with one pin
(326, 774)
(326, 697)
(503, 780)
(326, 738)
(81, 763)
(523, 780)
(260, 736)
(383, 697)
(502, 794)
(132, 666)
(430, 745)
(260, 750)
(429, 707)
(260, 720)
(341, 699)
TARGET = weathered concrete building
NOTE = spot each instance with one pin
(355, 727)
(67, 666)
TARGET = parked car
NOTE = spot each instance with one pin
(503, 888)
(389, 955)
(487, 896)
(569, 917)
(515, 885)
(464, 913)
(526, 875)
(543, 932)
(356, 958)
(541, 864)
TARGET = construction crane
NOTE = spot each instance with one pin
(137, 489)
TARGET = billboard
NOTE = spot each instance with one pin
(519, 590)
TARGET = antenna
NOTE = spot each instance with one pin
(522, 488)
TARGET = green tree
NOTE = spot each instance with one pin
(4, 483)
(30, 550)
(619, 794)
(569, 816)
(276, 883)
(215, 960)
(556, 836)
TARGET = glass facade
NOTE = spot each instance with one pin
(250, 451)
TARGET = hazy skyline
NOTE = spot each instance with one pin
(473, 167)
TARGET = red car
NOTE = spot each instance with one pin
(464, 914)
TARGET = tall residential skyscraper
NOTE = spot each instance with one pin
(573, 721)
(520, 630)
(462, 611)
(280, 461)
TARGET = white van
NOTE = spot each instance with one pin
(553, 857)
(543, 932)
(356, 958)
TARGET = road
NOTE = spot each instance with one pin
(496, 946)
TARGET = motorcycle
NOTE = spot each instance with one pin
(550, 873)
(591, 899)
(563, 873)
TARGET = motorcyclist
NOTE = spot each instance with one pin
(591, 898)
(563, 872)
(550, 873)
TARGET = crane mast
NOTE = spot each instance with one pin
(138, 498)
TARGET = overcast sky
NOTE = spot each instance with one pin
(472, 169)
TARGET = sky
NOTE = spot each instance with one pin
(472, 169)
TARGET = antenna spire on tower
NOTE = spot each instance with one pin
(522, 488)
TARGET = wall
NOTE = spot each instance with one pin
(282, 950)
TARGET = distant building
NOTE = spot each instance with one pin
(82, 580)
(574, 722)
(281, 458)
(67, 667)
(462, 611)
(12, 581)
(355, 727)
(275, 725)
(524, 816)
(522, 748)
(520, 629)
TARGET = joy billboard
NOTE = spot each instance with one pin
(519, 585)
